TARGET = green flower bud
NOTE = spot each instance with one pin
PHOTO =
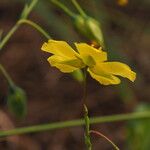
(78, 75)
(16, 101)
(90, 28)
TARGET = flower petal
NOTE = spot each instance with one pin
(86, 50)
(105, 79)
(117, 68)
(57, 62)
(60, 48)
(77, 63)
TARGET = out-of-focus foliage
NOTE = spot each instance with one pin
(139, 131)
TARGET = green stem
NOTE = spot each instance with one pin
(7, 37)
(86, 117)
(79, 8)
(29, 22)
(73, 123)
(36, 26)
(87, 129)
(64, 8)
(29, 9)
(9, 80)
(84, 86)
(25, 13)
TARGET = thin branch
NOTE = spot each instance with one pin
(6, 75)
(78, 7)
(36, 26)
(64, 8)
(25, 13)
(73, 123)
(102, 135)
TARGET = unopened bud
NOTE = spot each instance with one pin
(90, 28)
(16, 101)
(78, 75)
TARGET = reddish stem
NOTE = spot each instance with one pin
(102, 135)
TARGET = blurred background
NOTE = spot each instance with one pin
(53, 96)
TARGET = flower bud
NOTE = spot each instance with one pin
(16, 101)
(78, 75)
(90, 28)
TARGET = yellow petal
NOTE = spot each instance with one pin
(57, 62)
(105, 79)
(65, 68)
(86, 50)
(117, 68)
(75, 62)
(89, 61)
(60, 48)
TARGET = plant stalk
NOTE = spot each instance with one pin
(74, 123)
(80, 10)
(64, 8)
(17, 25)
(86, 117)
(36, 26)
(6, 75)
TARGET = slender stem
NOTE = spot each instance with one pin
(64, 8)
(29, 9)
(84, 86)
(73, 123)
(7, 37)
(4, 72)
(36, 26)
(102, 135)
(16, 26)
(87, 129)
(86, 117)
(76, 4)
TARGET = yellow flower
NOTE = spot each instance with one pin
(68, 60)
(64, 57)
(122, 2)
(103, 72)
